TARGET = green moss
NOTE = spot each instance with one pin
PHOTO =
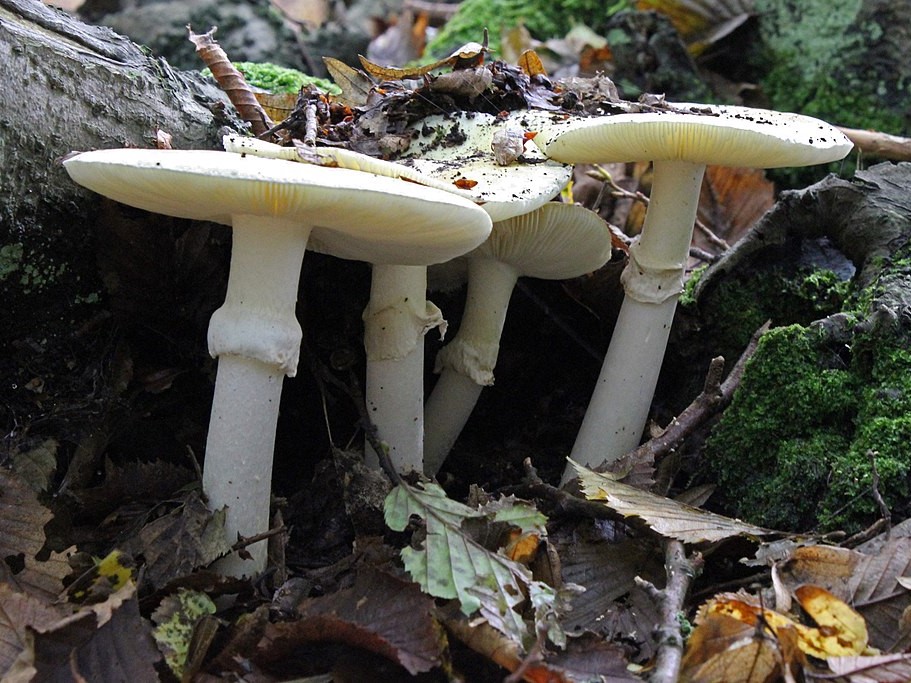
(280, 79)
(543, 18)
(10, 259)
(739, 305)
(793, 451)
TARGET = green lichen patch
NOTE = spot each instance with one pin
(820, 54)
(10, 259)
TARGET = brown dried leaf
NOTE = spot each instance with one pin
(355, 84)
(731, 201)
(664, 516)
(230, 80)
(18, 612)
(874, 669)
(531, 63)
(173, 545)
(379, 613)
(870, 583)
(109, 641)
(22, 520)
(723, 649)
(701, 23)
(612, 604)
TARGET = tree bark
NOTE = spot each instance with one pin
(69, 86)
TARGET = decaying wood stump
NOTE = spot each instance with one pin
(70, 86)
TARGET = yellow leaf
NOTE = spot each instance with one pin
(842, 632)
(108, 575)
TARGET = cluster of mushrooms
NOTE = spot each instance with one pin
(487, 200)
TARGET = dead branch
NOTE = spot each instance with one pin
(715, 396)
(878, 144)
(681, 571)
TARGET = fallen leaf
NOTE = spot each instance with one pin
(187, 537)
(664, 516)
(723, 649)
(379, 613)
(530, 63)
(355, 84)
(175, 619)
(894, 668)
(868, 582)
(841, 631)
(22, 521)
(109, 641)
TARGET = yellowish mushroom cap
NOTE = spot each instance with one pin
(354, 214)
(698, 133)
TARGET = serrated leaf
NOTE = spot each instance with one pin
(664, 516)
(450, 564)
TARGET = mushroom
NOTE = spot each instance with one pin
(462, 150)
(554, 242)
(680, 142)
(273, 206)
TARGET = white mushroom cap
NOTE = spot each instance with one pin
(355, 215)
(698, 133)
(556, 242)
(459, 148)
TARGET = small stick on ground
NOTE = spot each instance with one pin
(681, 571)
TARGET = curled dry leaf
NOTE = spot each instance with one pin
(469, 55)
(230, 80)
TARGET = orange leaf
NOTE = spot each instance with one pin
(530, 63)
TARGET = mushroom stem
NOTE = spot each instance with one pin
(256, 338)
(466, 364)
(395, 321)
(652, 281)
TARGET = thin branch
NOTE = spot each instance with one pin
(715, 396)
(621, 193)
(882, 145)
(671, 600)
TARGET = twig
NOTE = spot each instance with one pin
(680, 574)
(620, 193)
(244, 541)
(715, 396)
(880, 144)
(437, 10)
(884, 511)
(311, 125)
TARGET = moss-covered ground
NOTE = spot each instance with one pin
(818, 406)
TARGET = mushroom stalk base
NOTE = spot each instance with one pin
(450, 405)
(466, 364)
(619, 407)
(239, 448)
